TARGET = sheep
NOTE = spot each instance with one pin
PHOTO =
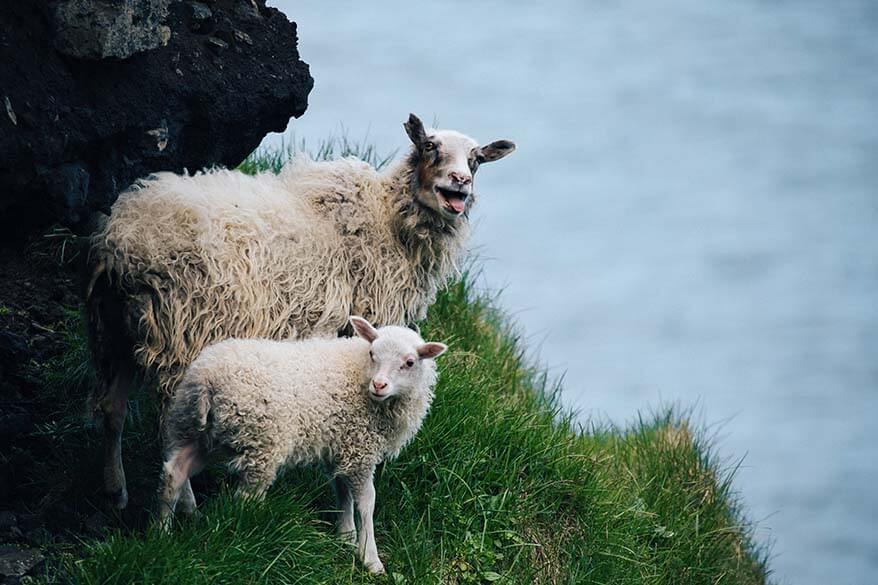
(185, 261)
(345, 403)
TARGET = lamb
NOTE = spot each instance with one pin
(347, 403)
(185, 261)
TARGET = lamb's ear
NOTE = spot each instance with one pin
(415, 129)
(364, 329)
(494, 151)
(431, 349)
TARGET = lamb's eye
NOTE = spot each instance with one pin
(409, 363)
(429, 145)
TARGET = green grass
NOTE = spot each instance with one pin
(501, 485)
(273, 158)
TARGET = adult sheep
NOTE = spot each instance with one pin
(184, 261)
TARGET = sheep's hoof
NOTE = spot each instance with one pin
(118, 499)
(194, 513)
(164, 524)
(375, 567)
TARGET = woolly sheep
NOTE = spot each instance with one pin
(185, 261)
(348, 403)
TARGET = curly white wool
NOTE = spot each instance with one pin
(347, 403)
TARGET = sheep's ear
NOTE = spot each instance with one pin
(431, 349)
(364, 329)
(494, 151)
(415, 129)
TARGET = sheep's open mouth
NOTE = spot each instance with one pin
(452, 201)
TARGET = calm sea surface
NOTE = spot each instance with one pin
(691, 217)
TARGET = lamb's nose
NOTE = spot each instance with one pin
(378, 385)
(460, 178)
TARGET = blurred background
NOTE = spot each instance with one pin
(691, 217)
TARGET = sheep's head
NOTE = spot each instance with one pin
(445, 162)
(399, 357)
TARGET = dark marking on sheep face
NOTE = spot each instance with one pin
(415, 129)
(444, 163)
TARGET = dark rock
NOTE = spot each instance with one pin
(14, 422)
(97, 524)
(10, 531)
(15, 561)
(96, 29)
(76, 131)
(217, 43)
(13, 349)
(248, 9)
(201, 17)
(67, 189)
(39, 536)
(243, 37)
(14, 353)
(6, 481)
(7, 520)
(28, 521)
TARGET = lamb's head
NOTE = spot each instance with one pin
(401, 360)
(445, 162)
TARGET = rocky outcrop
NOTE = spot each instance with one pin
(96, 93)
(95, 30)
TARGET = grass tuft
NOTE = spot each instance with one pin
(273, 158)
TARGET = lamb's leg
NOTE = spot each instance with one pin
(254, 478)
(345, 498)
(187, 498)
(364, 491)
(249, 490)
(182, 463)
(114, 405)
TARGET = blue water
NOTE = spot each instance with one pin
(691, 216)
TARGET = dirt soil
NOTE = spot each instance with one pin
(50, 451)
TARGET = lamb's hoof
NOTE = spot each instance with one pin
(375, 567)
(118, 500)
(164, 524)
(194, 513)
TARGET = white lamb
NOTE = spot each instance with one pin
(347, 403)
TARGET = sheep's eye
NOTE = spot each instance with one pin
(409, 363)
(429, 145)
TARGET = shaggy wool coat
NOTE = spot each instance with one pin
(222, 254)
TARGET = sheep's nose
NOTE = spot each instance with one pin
(379, 385)
(460, 178)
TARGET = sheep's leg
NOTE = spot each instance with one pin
(114, 406)
(182, 463)
(187, 498)
(111, 350)
(345, 497)
(364, 491)
(253, 479)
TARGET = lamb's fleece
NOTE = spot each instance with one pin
(221, 254)
(274, 403)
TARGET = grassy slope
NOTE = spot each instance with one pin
(499, 486)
